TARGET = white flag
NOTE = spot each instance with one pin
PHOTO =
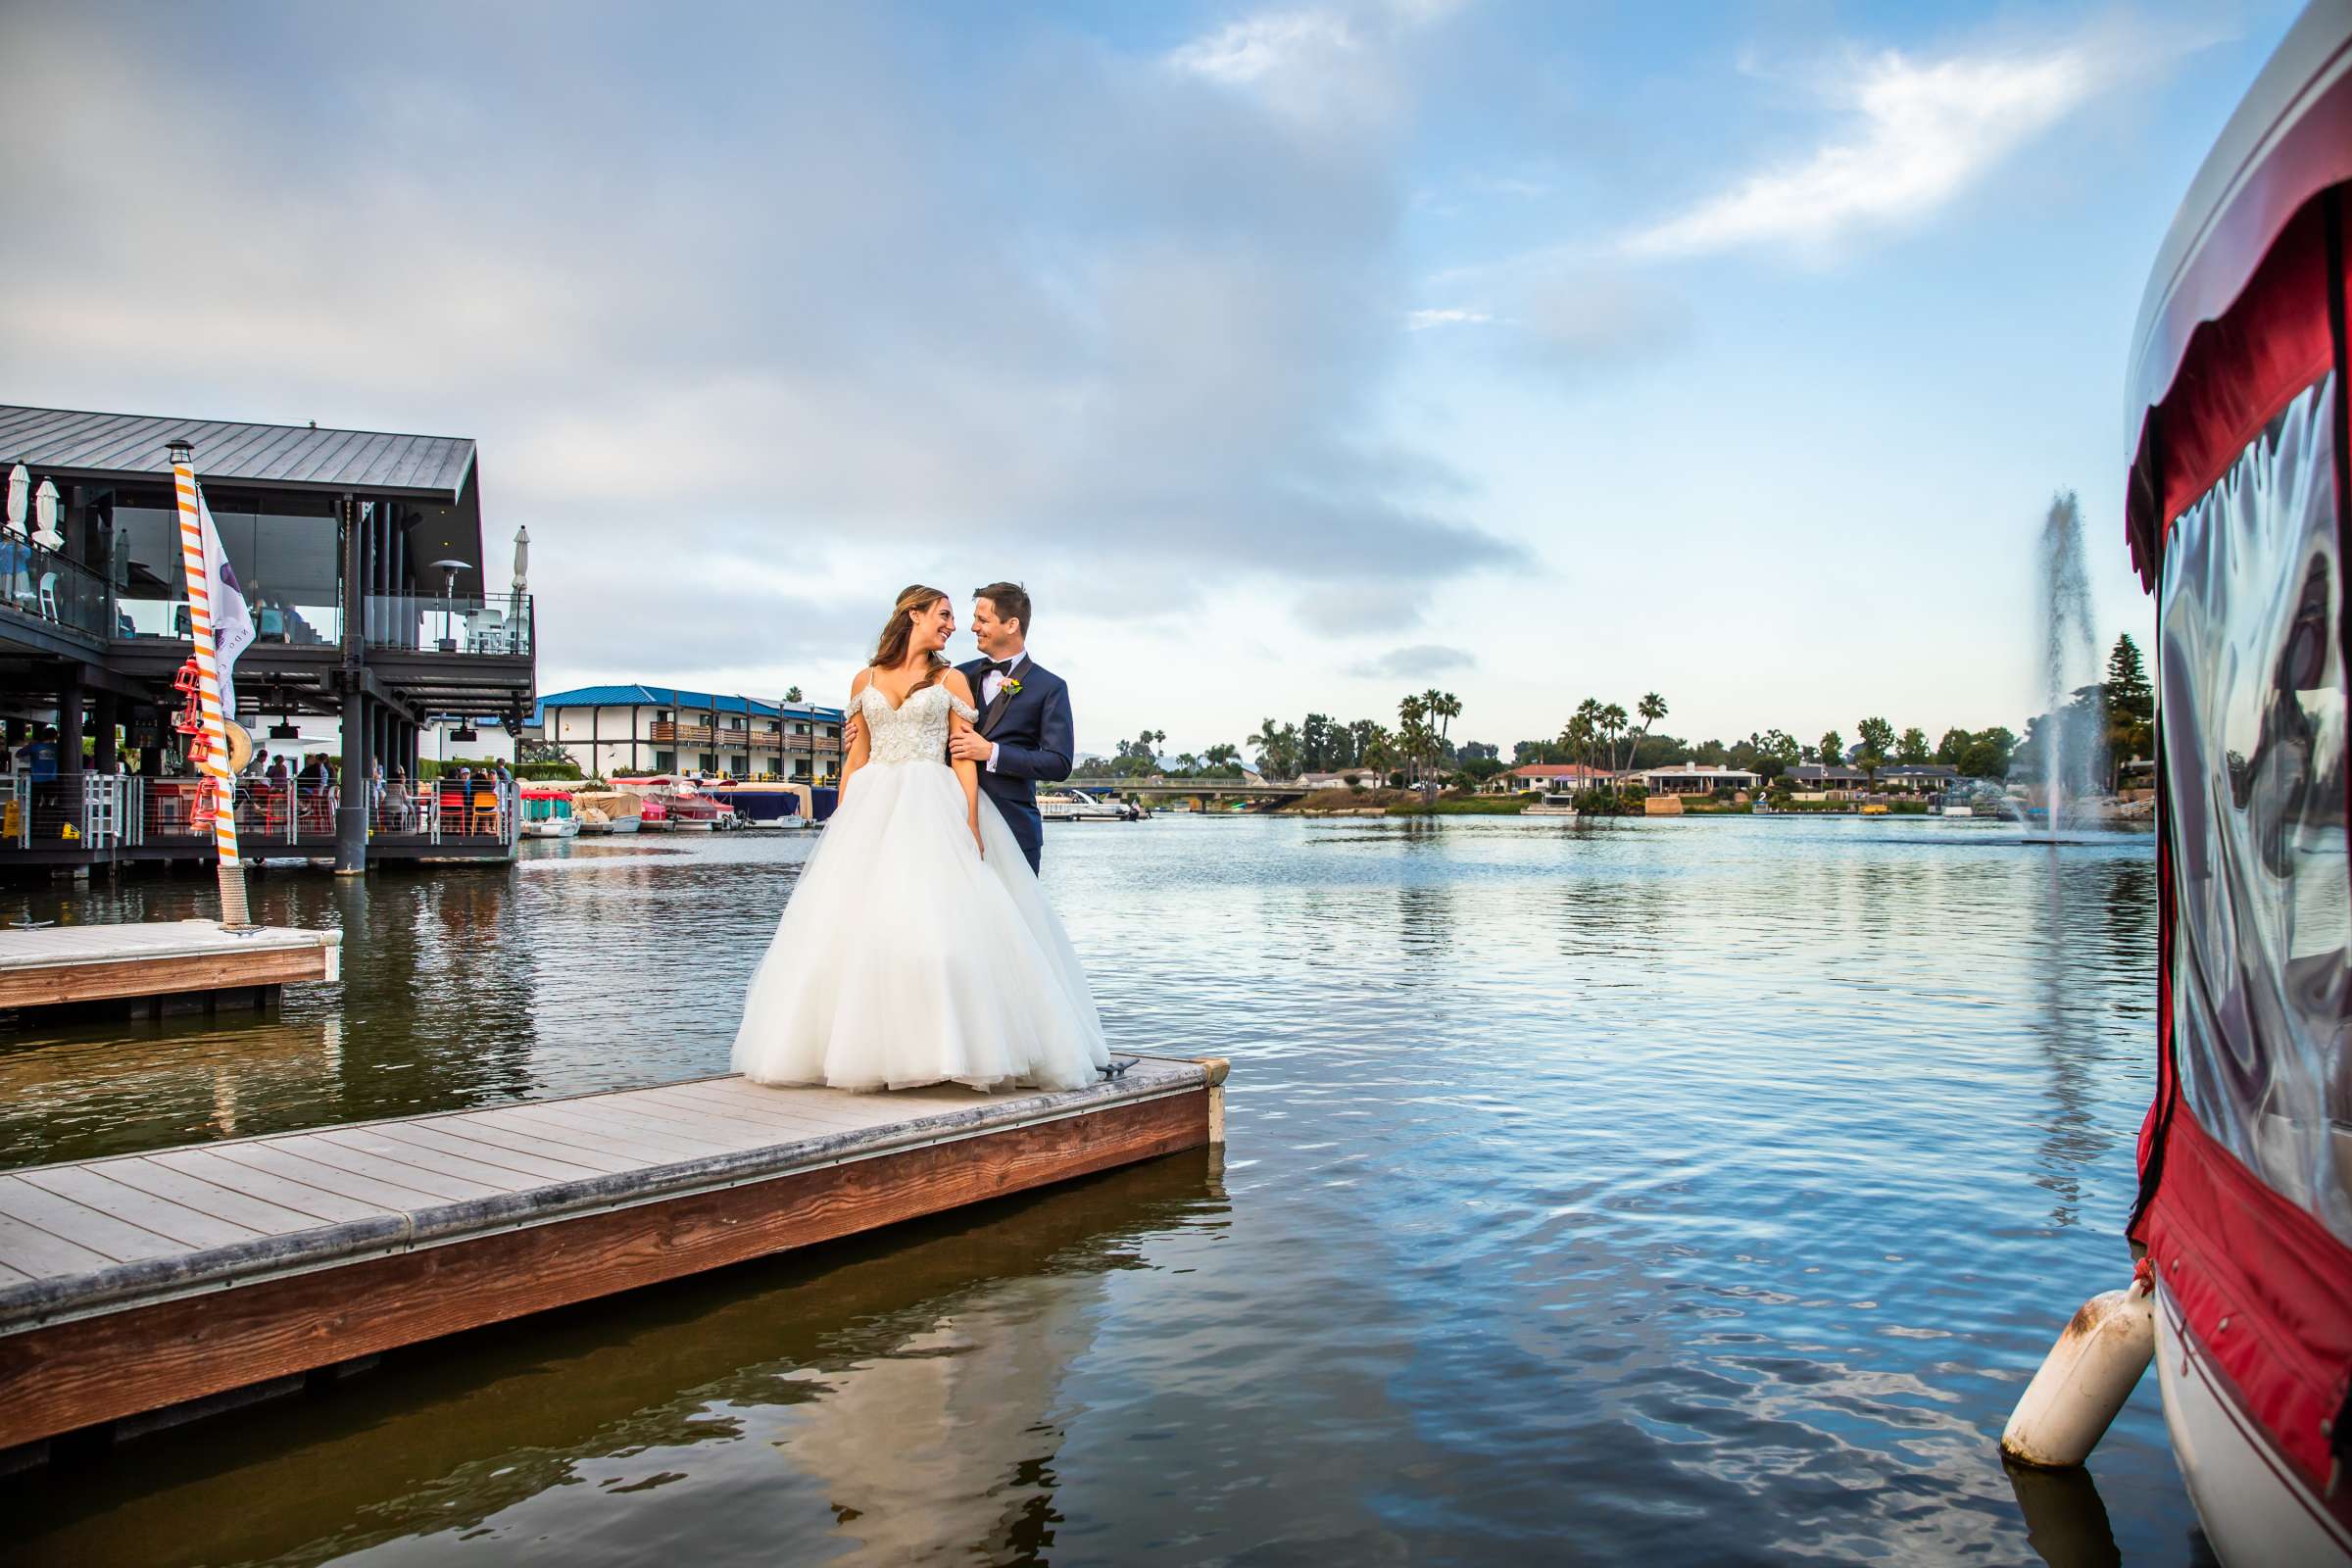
(232, 623)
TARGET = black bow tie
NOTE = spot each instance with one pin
(1003, 666)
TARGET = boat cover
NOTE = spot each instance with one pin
(2239, 519)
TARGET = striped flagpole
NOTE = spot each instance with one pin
(234, 913)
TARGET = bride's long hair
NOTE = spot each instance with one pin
(891, 650)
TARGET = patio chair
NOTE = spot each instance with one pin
(49, 595)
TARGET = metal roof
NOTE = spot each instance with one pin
(637, 695)
(280, 456)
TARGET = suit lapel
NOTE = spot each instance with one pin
(996, 710)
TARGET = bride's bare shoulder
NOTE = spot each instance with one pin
(862, 680)
(958, 686)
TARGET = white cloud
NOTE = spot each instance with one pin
(1423, 320)
(1409, 663)
(1260, 46)
(1922, 133)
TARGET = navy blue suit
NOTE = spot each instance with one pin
(1034, 739)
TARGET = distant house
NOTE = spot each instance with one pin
(1693, 779)
(1818, 778)
(1345, 778)
(1918, 778)
(1559, 776)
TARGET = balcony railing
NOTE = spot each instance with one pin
(45, 586)
(666, 734)
(302, 625)
(497, 627)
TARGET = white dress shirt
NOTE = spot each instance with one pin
(992, 683)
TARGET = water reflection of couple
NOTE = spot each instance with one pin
(917, 947)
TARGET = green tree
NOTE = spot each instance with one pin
(1878, 744)
(1315, 736)
(1913, 747)
(2131, 708)
(1953, 747)
(1833, 748)
(1652, 708)
(1277, 745)
(792, 694)
(1614, 722)
(1413, 735)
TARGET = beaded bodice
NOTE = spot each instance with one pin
(913, 731)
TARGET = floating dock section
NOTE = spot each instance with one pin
(139, 1282)
(157, 966)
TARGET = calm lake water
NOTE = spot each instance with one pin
(1658, 1192)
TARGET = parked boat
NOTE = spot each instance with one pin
(1076, 806)
(2243, 1221)
(607, 811)
(768, 806)
(547, 814)
(1555, 803)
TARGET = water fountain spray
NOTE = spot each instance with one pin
(2070, 653)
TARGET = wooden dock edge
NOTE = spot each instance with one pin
(273, 957)
(89, 1369)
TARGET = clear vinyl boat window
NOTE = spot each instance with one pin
(2252, 706)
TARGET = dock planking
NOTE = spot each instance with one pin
(157, 960)
(141, 1281)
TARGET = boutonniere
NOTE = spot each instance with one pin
(1012, 687)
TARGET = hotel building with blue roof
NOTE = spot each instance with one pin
(635, 728)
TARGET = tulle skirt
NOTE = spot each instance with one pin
(904, 957)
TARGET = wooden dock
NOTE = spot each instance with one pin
(139, 1282)
(159, 965)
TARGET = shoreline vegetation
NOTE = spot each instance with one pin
(1418, 768)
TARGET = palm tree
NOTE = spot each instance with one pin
(1652, 709)
(1412, 733)
(1448, 707)
(1613, 721)
(1268, 743)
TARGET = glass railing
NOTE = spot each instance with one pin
(45, 586)
(497, 627)
(149, 615)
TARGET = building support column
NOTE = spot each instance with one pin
(69, 720)
(351, 816)
(107, 709)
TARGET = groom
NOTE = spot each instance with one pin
(1024, 732)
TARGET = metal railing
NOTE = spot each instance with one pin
(114, 811)
(46, 586)
(73, 810)
(498, 625)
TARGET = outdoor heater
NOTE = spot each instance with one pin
(449, 592)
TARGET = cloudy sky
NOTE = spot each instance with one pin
(1293, 357)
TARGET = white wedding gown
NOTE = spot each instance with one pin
(904, 958)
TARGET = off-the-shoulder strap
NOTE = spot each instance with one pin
(859, 684)
(963, 710)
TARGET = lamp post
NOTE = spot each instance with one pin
(449, 592)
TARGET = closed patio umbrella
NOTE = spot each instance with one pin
(44, 517)
(20, 494)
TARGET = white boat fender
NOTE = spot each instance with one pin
(2085, 1378)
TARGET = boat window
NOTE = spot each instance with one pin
(2253, 723)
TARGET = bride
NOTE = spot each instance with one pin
(917, 947)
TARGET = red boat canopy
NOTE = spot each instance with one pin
(2238, 512)
(2227, 335)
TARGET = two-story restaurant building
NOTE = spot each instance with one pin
(642, 730)
(362, 559)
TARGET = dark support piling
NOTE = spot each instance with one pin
(351, 816)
